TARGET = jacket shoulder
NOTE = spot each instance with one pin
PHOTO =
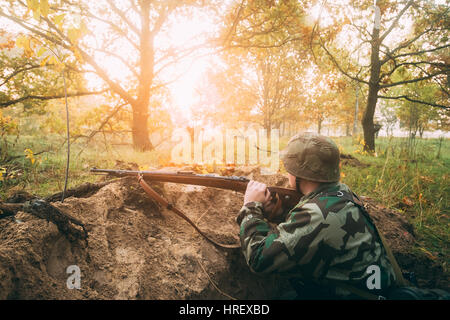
(333, 200)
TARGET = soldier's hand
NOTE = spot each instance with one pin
(256, 192)
(269, 205)
(271, 211)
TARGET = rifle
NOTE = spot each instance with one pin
(285, 197)
(282, 197)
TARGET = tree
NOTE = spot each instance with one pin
(262, 76)
(259, 85)
(227, 95)
(266, 24)
(127, 36)
(278, 85)
(416, 117)
(350, 96)
(423, 52)
(33, 81)
(389, 117)
(329, 98)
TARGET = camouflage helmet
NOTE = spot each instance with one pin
(312, 157)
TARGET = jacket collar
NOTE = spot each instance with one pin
(323, 187)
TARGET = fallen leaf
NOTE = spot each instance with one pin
(428, 253)
(407, 201)
(426, 179)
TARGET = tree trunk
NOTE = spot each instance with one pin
(421, 131)
(139, 129)
(355, 120)
(367, 121)
(319, 124)
(374, 87)
(347, 130)
(141, 140)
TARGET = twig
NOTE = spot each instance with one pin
(21, 156)
(201, 216)
(212, 282)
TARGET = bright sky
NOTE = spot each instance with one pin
(183, 77)
(190, 73)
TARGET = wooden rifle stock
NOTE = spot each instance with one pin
(289, 197)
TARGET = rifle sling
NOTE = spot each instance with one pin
(366, 295)
(155, 196)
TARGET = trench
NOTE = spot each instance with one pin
(138, 250)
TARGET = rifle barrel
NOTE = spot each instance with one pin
(185, 177)
(234, 183)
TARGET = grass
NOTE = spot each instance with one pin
(46, 175)
(416, 186)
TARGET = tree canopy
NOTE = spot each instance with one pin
(272, 63)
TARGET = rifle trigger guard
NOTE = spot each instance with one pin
(278, 204)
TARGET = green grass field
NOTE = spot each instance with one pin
(417, 186)
(414, 183)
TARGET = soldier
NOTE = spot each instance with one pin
(326, 245)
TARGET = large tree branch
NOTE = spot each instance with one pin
(394, 23)
(415, 100)
(122, 59)
(117, 88)
(409, 42)
(415, 64)
(445, 71)
(161, 19)
(100, 72)
(107, 22)
(235, 22)
(36, 31)
(175, 57)
(333, 59)
(421, 52)
(16, 72)
(115, 28)
(123, 17)
(44, 98)
(429, 76)
(389, 54)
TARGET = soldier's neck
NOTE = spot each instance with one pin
(306, 187)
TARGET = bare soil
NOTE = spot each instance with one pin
(349, 160)
(137, 250)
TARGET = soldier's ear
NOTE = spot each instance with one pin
(291, 180)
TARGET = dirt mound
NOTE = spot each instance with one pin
(349, 160)
(399, 233)
(137, 250)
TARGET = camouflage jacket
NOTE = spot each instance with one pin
(324, 239)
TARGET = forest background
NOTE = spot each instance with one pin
(375, 76)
